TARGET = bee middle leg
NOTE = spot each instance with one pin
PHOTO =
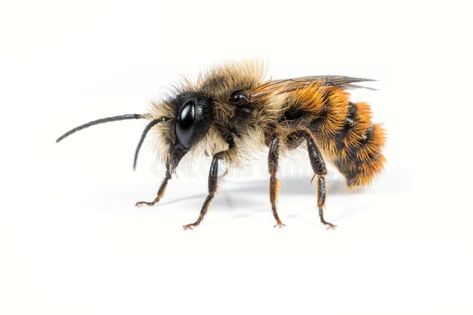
(273, 162)
(159, 195)
(318, 165)
(213, 177)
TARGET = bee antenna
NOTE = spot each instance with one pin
(99, 121)
(143, 136)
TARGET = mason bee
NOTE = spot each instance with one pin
(233, 110)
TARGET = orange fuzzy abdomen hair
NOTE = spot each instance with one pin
(345, 132)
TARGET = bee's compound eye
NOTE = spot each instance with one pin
(185, 122)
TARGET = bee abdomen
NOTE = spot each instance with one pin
(343, 130)
(358, 146)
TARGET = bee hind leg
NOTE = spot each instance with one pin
(318, 165)
(321, 193)
(160, 193)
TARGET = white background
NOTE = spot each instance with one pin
(71, 241)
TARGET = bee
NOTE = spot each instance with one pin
(233, 110)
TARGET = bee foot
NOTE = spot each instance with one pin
(190, 226)
(145, 203)
(279, 224)
(330, 226)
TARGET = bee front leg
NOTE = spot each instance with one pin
(160, 193)
(318, 165)
(273, 162)
(213, 176)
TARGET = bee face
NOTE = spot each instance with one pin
(193, 118)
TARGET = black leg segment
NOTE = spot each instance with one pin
(321, 193)
(318, 165)
(213, 176)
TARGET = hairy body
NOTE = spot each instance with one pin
(233, 111)
(342, 130)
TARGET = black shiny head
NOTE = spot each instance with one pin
(193, 117)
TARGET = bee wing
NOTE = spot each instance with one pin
(290, 85)
(331, 80)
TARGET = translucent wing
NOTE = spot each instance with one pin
(289, 85)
